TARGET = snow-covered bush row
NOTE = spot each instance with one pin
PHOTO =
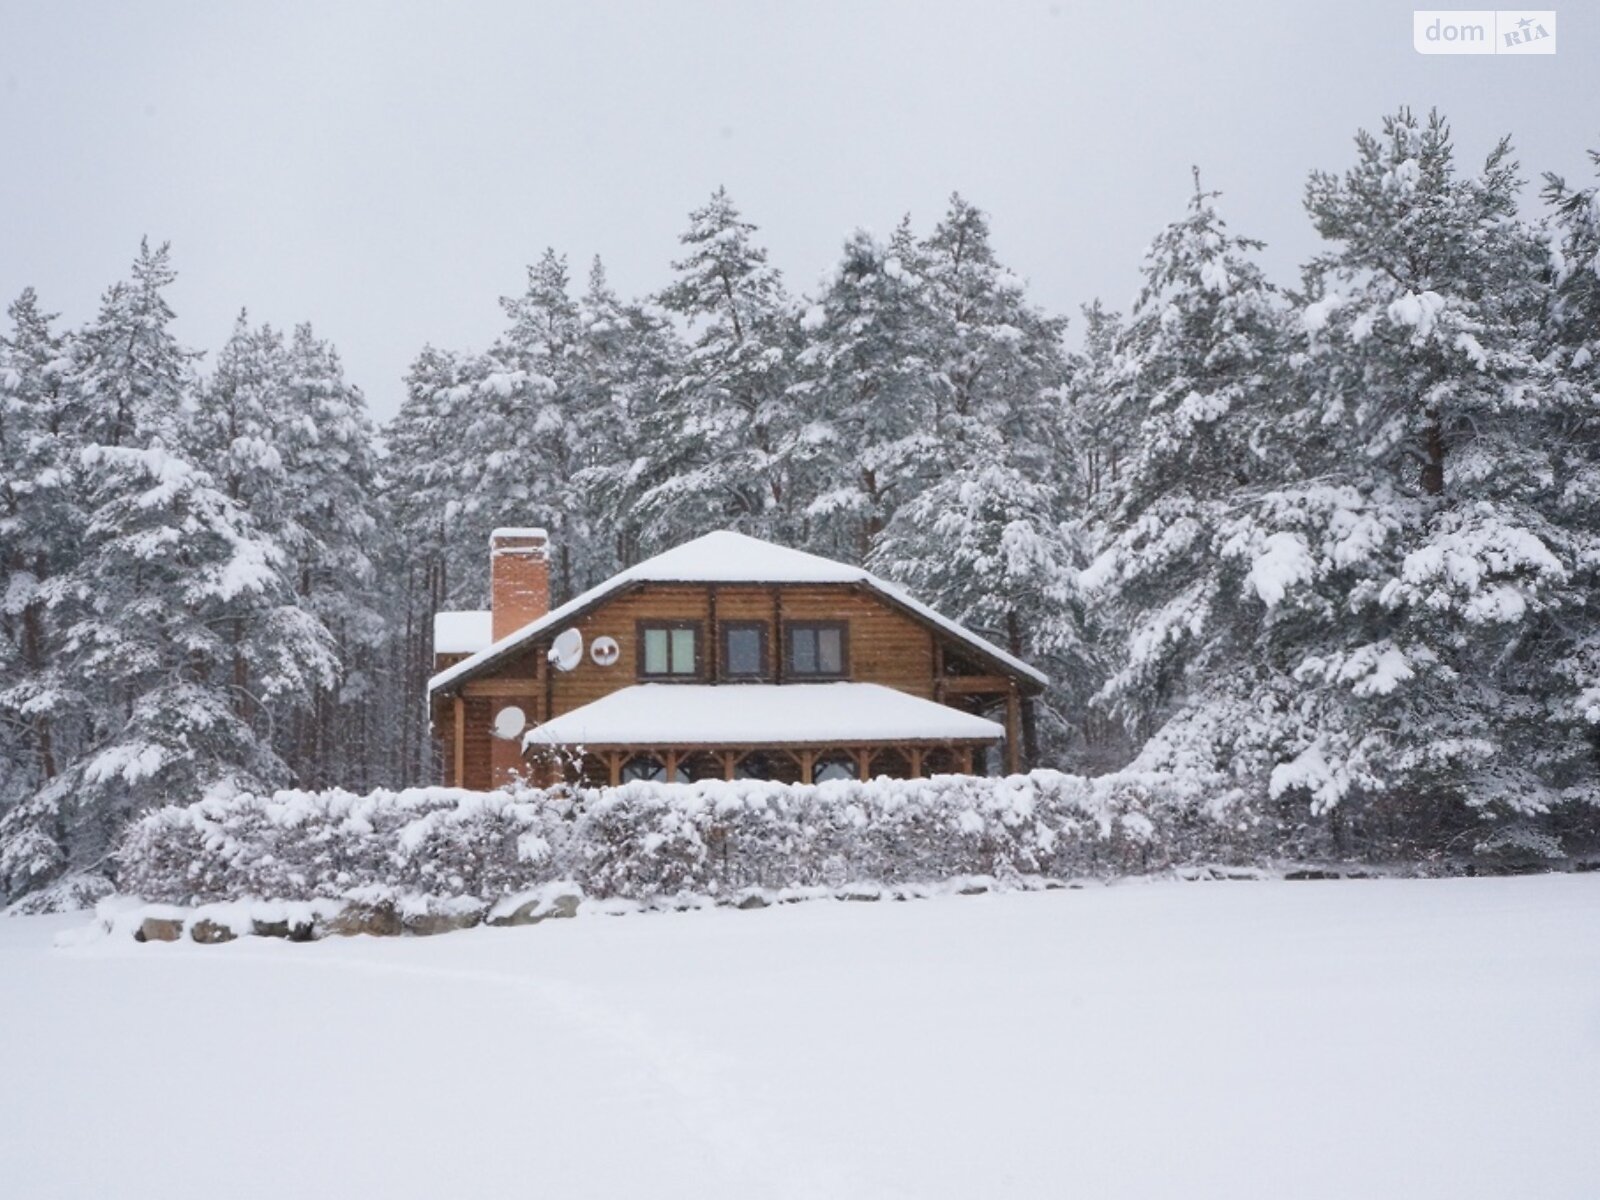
(647, 839)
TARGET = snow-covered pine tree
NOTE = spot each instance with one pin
(1570, 348)
(998, 359)
(1100, 431)
(232, 428)
(1100, 427)
(326, 444)
(1193, 386)
(421, 476)
(522, 434)
(718, 436)
(864, 430)
(40, 523)
(420, 489)
(628, 356)
(989, 540)
(1431, 564)
(167, 565)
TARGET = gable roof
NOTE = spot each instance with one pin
(728, 557)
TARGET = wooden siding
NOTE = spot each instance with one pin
(886, 646)
(479, 739)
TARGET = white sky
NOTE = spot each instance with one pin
(387, 170)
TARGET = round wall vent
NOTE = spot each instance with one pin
(605, 651)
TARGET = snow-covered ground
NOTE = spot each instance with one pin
(1353, 1039)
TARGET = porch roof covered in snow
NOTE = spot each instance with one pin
(726, 557)
(692, 716)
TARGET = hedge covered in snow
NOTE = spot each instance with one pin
(646, 840)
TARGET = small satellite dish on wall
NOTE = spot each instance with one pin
(567, 650)
(605, 651)
(509, 722)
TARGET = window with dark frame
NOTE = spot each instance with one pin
(744, 650)
(669, 649)
(816, 649)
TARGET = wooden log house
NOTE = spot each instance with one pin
(726, 657)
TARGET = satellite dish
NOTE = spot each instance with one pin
(567, 650)
(605, 651)
(509, 722)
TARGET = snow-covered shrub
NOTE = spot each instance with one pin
(646, 839)
(299, 845)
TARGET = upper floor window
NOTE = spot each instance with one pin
(816, 649)
(744, 649)
(669, 649)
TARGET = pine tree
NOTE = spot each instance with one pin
(628, 357)
(1099, 421)
(420, 492)
(326, 443)
(989, 541)
(720, 433)
(233, 429)
(1569, 346)
(1194, 390)
(530, 431)
(998, 359)
(40, 523)
(1446, 542)
(864, 432)
(168, 566)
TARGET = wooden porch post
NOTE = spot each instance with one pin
(777, 635)
(966, 760)
(460, 754)
(864, 763)
(1013, 732)
(916, 762)
(808, 763)
(670, 761)
(713, 646)
(730, 764)
(614, 766)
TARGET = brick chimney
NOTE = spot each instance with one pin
(519, 578)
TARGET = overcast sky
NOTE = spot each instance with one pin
(387, 170)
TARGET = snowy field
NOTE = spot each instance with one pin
(1356, 1039)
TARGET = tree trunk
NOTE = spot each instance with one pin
(1433, 465)
(33, 655)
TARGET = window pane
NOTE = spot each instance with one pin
(683, 652)
(643, 768)
(655, 651)
(803, 651)
(833, 768)
(744, 652)
(830, 652)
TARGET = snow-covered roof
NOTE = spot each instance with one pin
(728, 557)
(462, 632)
(519, 531)
(768, 714)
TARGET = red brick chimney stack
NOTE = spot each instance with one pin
(519, 578)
